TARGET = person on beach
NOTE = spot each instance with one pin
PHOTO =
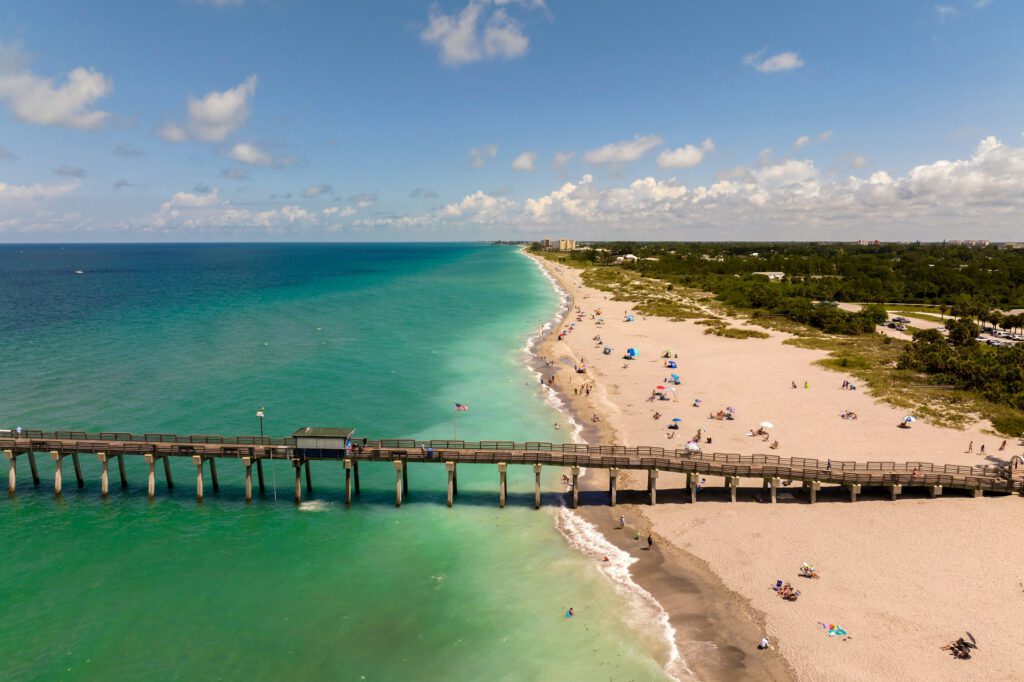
(763, 644)
(982, 451)
(622, 522)
(970, 447)
(1003, 446)
(650, 542)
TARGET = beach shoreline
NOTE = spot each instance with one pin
(894, 567)
(714, 630)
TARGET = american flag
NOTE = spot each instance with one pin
(459, 407)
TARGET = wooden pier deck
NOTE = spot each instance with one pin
(207, 450)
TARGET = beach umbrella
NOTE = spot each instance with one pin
(675, 377)
(767, 425)
(909, 419)
(692, 447)
(676, 419)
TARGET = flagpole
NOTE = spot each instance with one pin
(456, 423)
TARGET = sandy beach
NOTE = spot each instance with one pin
(902, 578)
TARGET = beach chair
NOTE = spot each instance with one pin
(778, 585)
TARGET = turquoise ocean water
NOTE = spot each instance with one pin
(384, 338)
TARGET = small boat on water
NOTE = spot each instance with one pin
(79, 272)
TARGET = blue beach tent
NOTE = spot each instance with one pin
(672, 365)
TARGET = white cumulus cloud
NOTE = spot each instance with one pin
(249, 153)
(525, 162)
(482, 30)
(214, 116)
(624, 151)
(478, 156)
(36, 192)
(686, 156)
(805, 140)
(783, 61)
(36, 99)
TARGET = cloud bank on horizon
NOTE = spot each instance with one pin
(522, 119)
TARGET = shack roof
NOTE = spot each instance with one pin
(323, 432)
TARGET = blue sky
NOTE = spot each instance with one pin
(181, 120)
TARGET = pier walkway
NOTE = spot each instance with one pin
(772, 470)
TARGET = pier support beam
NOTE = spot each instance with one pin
(536, 489)
(575, 487)
(78, 470)
(773, 483)
(613, 484)
(812, 490)
(57, 478)
(732, 482)
(934, 490)
(854, 489)
(977, 492)
(297, 463)
(502, 483)
(355, 473)
(652, 485)
(450, 466)
(399, 470)
(405, 477)
(32, 468)
(309, 478)
(198, 461)
(348, 481)
(104, 473)
(894, 490)
(691, 482)
(455, 481)
(259, 473)
(247, 461)
(12, 477)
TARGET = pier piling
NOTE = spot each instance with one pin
(773, 483)
(32, 467)
(536, 489)
(894, 490)
(854, 491)
(57, 478)
(399, 469)
(259, 474)
(405, 478)
(198, 461)
(348, 482)
(355, 474)
(167, 472)
(652, 485)
(693, 488)
(151, 482)
(575, 487)
(11, 474)
(934, 490)
(732, 482)
(450, 466)
(613, 480)
(78, 470)
(309, 479)
(297, 463)
(812, 491)
(502, 471)
(455, 479)
(213, 474)
(104, 473)
(247, 461)
(120, 469)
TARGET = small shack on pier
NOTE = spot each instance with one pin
(319, 441)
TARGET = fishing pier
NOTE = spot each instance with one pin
(338, 445)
